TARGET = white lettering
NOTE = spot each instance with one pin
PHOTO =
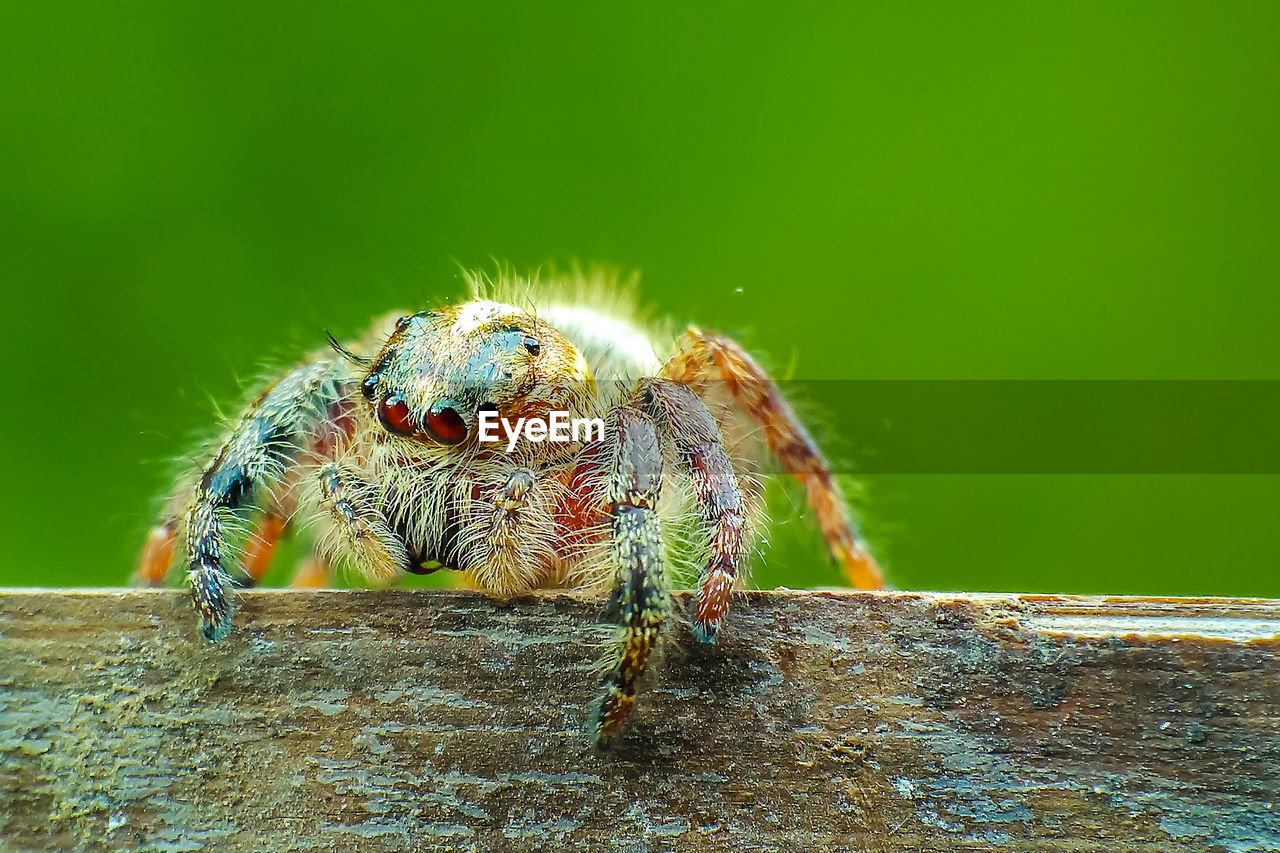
(559, 424)
(592, 428)
(559, 428)
(488, 426)
(513, 435)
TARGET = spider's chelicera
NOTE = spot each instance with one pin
(380, 444)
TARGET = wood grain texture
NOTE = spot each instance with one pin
(425, 720)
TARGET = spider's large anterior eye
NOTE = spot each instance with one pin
(445, 424)
(395, 416)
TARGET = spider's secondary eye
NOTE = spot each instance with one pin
(445, 424)
(532, 346)
(395, 416)
(369, 387)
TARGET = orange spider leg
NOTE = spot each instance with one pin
(157, 555)
(261, 547)
(706, 357)
(313, 573)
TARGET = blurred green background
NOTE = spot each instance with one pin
(896, 191)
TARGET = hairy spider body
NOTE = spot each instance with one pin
(376, 442)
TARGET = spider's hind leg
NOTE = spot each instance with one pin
(261, 547)
(314, 572)
(156, 559)
(641, 601)
(704, 359)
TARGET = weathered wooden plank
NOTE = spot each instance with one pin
(419, 720)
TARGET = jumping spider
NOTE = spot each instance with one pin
(377, 442)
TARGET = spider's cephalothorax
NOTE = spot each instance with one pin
(380, 443)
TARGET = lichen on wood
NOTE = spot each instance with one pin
(429, 720)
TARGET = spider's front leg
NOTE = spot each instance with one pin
(266, 441)
(640, 600)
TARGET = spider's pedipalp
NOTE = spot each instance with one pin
(689, 425)
(510, 543)
(641, 601)
(362, 533)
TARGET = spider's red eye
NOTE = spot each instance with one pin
(445, 424)
(395, 416)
